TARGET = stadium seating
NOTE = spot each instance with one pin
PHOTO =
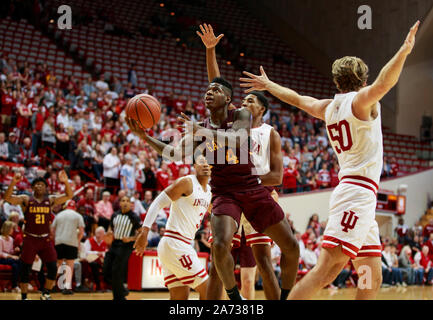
(21, 41)
(168, 66)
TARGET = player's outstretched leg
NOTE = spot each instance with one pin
(369, 270)
(223, 229)
(328, 267)
(282, 234)
(262, 255)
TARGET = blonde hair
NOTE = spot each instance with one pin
(6, 228)
(349, 73)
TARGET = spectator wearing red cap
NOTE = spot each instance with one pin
(68, 228)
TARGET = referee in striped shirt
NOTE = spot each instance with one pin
(124, 226)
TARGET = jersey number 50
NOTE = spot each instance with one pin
(340, 132)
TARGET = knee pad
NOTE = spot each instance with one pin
(51, 270)
(25, 273)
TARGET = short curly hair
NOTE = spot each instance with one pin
(349, 73)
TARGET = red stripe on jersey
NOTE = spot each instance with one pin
(363, 179)
(361, 185)
(178, 234)
(346, 244)
(170, 236)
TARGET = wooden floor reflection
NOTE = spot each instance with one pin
(392, 293)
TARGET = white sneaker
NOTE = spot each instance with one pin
(16, 290)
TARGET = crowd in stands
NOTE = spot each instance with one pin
(48, 123)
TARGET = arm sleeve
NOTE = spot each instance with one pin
(161, 201)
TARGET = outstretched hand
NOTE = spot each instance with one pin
(208, 37)
(409, 43)
(63, 177)
(141, 243)
(254, 82)
(136, 128)
(188, 124)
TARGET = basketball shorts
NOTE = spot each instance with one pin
(243, 255)
(180, 264)
(67, 252)
(258, 206)
(252, 236)
(351, 222)
(43, 247)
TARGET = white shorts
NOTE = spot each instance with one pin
(351, 222)
(180, 264)
(252, 237)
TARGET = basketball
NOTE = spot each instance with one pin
(145, 109)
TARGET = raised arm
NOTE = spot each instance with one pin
(367, 97)
(21, 200)
(312, 106)
(275, 176)
(182, 187)
(56, 200)
(210, 41)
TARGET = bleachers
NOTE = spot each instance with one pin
(167, 66)
(21, 41)
(411, 155)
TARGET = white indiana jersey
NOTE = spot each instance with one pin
(357, 144)
(186, 213)
(260, 139)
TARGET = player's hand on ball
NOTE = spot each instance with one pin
(141, 243)
(17, 177)
(254, 82)
(208, 36)
(409, 43)
(136, 128)
(63, 177)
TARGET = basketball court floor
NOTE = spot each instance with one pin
(392, 293)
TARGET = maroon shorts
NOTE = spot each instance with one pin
(43, 247)
(257, 205)
(244, 254)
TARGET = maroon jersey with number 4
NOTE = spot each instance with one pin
(38, 217)
(231, 175)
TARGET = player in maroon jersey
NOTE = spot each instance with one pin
(257, 104)
(235, 190)
(37, 220)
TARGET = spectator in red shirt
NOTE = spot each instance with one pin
(324, 177)
(290, 178)
(394, 167)
(334, 175)
(84, 134)
(428, 229)
(8, 102)
(422, 259)
(429, 244)
(86, 206)
(53, 183)
(163, 177)
(401, 231)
